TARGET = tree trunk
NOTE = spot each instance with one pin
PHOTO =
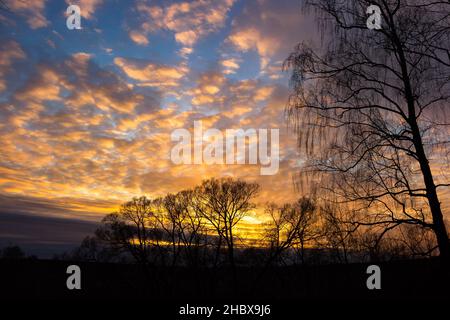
(231, 248)
(219, 245)
(439, 227)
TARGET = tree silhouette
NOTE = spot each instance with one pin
(418, 241)
(179, 223)
(132, 228)
(184, 226)
(12, 252)
(336, 234)
(370, 109)
(291, 226)
(223, 203)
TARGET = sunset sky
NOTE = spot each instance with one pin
(86, 115)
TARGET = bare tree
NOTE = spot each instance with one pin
(274, 231)
(192, 226)
(370, 109)
(115, 232)
(184, 226)
(168, 217)
(337, 234)
(93, 249)
(88, 250)
(223, 203)
(132, 229)
(291, 226)
(418, 241)
(12, 252)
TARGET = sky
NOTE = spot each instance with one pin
(86, 115)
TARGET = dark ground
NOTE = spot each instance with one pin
(46, 279)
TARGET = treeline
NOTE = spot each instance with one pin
(197, 227)
(14, 252)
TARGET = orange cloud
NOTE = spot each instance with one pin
(10, 52)
(189, 21)
(152, 74)
(87, 7)
(207, 90)
(32, 11)
(253, 39)
(230, 65)
(271, 28)
(138, 37)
